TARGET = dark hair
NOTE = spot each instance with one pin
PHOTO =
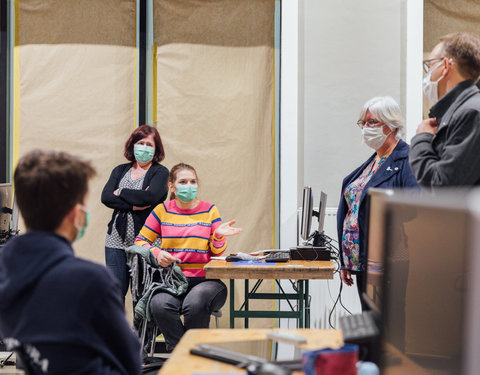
(48, 184)
(173, 174)
(464, 48)
(139, 133)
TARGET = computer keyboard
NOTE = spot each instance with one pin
(359, 327)
(279, 256)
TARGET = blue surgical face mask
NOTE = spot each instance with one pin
(143, 153)
(82, 229)
(186, 193)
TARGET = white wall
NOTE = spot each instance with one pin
(337, 54)
(352, 52)
(291, 119)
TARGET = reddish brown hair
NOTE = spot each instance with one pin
(138, 134)
(48, 184)
(174, 171)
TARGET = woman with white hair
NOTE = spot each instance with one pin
(382, 129)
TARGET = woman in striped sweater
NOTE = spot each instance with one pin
(191, 231)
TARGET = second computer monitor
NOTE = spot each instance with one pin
(375, 248)
(322, 206)
(5, 206)
(307, 210)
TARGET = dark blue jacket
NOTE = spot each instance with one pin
(67, 307)
(394, 173)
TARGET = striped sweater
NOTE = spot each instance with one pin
(188, 235)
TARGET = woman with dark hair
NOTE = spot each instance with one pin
(132, 191)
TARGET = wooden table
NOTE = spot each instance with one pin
(182, 362)
(294, 270)
(404, 365)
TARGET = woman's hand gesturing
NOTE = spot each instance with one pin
(226, 229)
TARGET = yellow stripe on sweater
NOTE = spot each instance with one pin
(192, 266)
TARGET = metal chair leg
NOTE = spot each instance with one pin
(154, 341)
(144, 331)
(217, 314)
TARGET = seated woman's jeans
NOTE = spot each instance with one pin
(116, 261)
(203, 296)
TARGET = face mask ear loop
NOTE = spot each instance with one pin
(389, 128)
(438, 65)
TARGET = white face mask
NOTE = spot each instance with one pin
(430, 89)
(374, 137)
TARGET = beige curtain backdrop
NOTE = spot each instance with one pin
(443, 17)
(214, 100)
(77, 89)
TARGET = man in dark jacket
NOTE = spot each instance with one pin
(445, 151)
(67, 308)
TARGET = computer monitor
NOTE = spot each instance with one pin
(429, 247)
(471, 342)
(307, 210)
(6, 205)
(308, 213)
(374, 245)
(322, 206)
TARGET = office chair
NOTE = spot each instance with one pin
(143, 276)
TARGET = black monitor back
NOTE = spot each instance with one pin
(374, 244)
(427, 247)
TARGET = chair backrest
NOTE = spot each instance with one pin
(147, 279)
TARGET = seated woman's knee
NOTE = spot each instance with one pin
(163, 304)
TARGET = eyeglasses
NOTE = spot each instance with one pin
(426, 63)
(369, 123)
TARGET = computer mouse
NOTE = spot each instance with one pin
(267, 369)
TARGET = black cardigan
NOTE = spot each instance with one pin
(156, 180)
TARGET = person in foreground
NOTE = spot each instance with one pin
(382, 129)
(133, 190)
(68, 308)
(444, 152)
(191, 231)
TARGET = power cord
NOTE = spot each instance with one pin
(335, 256)
(337, 252)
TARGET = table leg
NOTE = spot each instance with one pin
(232, 303)
(301, 298)
(307, 305)
(246, 301)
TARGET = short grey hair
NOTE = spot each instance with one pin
(385, 109)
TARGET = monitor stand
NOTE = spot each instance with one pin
(319, 239)
(318, 251)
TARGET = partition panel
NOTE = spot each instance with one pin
(442, 17)
(75, 69)
(213, 73)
